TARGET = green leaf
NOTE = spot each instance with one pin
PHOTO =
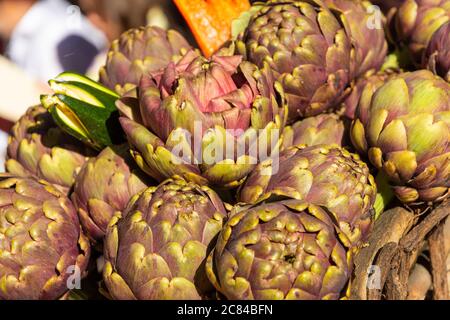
(384, 196)
(77, 78)
(84, 109)
(102, 125)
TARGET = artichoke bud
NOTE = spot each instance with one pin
(84, 109)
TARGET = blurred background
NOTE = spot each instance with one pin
(41, 38)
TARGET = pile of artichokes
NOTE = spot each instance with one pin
(250, 174)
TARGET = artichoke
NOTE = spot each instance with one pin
(404, 128)
(366, 30)
(38, 147)
(322, 175)
(321, 129)
(104, 186)
(284, 250)
(437, 55)
(207, 120)
(301, 40)
(41, 244)
(158, 249)
(139, 51)
(414, 23)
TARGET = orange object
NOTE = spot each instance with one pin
(210, 20)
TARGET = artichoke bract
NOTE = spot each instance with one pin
(157, 250)
(104, 186)
(43, 252)
(139, 51)
(207, 120)
(414, 23)
(38, 147)
(283, 250)
(308, 49)
(321, 129)
(437, 55)
(365, 26)
(404, 128)
(322, 175)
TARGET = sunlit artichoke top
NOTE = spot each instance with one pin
(43, 253)
(200, 118)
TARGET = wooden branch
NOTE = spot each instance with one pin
(438, 259)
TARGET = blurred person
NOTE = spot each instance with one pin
(47, 37)
(114, 17)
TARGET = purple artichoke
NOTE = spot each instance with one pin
(139, 51)
(210, 121)
(104, 186)
(37, 147)
(283, 250)
(322, 175)
(437, 55)
(158, 249)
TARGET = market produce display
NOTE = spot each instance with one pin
(296, 146)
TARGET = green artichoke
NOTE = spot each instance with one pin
(38, 147)
(158, 249)
(209, 121)
(104, 186)
(322, 175)
(414, 23)
(308, 49)
(366, 30)
(321, 129)
(283, 250)
(139, 51)
(41, 244)
(404, 128)
(437, 55)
